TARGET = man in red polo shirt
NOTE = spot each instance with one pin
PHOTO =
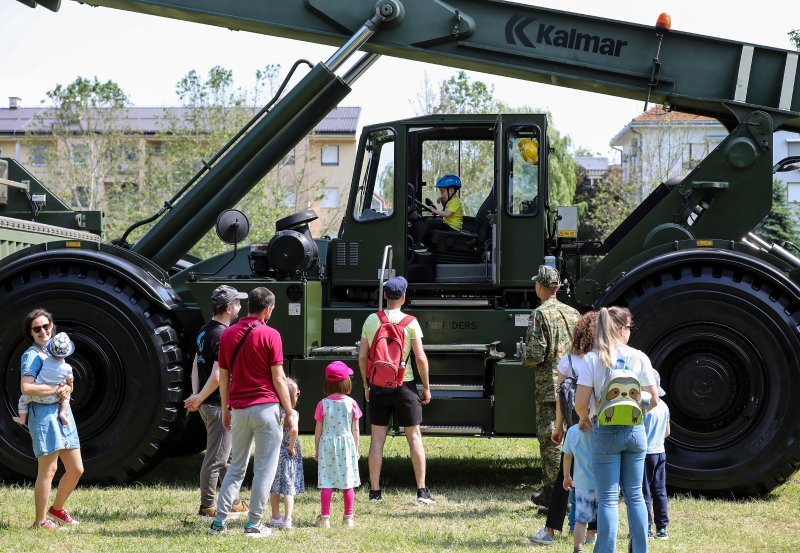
(252, 353)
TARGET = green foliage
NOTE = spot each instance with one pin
(212, 110)
(779, 225)
(794, 36)
(83, 142)
(603, 208)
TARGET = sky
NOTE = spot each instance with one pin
(147, 56)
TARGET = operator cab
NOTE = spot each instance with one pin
(496, 158)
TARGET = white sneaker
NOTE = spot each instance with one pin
(257, 530)
(542, 537)
(276, 522)
(287, 524)
(323, 521)
(348, 521)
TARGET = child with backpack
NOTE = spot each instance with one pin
(289, 479)
(616, 373)
(656, 425)
(336, 443)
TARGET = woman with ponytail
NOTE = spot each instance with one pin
(618, 451)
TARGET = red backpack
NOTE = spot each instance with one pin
(385, 364)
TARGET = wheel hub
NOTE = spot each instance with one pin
(708, 385)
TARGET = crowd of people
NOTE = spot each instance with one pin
(615, 442)
(604, 437)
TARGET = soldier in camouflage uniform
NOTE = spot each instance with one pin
(548, 339)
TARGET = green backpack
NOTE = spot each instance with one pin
(620, 400)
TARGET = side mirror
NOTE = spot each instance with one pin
(232, 226)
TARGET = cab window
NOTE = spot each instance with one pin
(375, 197)
(522, 150)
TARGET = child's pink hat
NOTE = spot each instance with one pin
(337, 371)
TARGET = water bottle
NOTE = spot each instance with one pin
(550, 261)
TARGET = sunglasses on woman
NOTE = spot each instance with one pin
(46, 327)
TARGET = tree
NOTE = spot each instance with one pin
(212, 110)
(794, 36)
(603, 209)
(780, 223)
(88, 150)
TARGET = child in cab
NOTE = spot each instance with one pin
(451, 212)
(289, 479)
(336, 443)
(54, 371)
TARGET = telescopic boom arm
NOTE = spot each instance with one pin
(709, 76)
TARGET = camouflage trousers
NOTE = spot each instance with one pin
(550, 452)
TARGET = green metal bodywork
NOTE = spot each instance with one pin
(54, 211)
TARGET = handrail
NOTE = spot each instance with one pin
(388, 254)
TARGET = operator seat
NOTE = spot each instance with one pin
(450, 246)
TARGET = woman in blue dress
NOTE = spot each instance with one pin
(51, 439)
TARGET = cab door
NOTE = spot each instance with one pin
(522, 197)
(376, 208)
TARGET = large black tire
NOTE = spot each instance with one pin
(722, 330)
(127, 366)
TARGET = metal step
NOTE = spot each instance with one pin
(454, 391)
(336, 351)
(450, 302)
(489, 350)
(450, 430)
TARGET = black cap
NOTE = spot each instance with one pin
(225, 295)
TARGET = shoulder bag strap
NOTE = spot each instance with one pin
(571, 368)
(241, 343)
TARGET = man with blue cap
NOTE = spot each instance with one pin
(402, 402)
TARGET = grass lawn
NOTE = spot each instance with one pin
(481, 487)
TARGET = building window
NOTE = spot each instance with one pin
(79, 154)
(125, 159)
(288, 159)
(793, 191)
(330, 155)
(290, 200)
(158, 149)
(39, 156)
(330, 198)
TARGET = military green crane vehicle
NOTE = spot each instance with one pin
(717, 312)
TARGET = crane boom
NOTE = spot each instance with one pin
(699, 74)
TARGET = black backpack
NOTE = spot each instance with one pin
(566, 396)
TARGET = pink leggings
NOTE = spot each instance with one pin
(325, 495)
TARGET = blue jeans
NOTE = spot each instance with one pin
(618, 454)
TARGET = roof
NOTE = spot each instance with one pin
(343, 120)
(152, 120)
(656, 116)
(590, 163)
